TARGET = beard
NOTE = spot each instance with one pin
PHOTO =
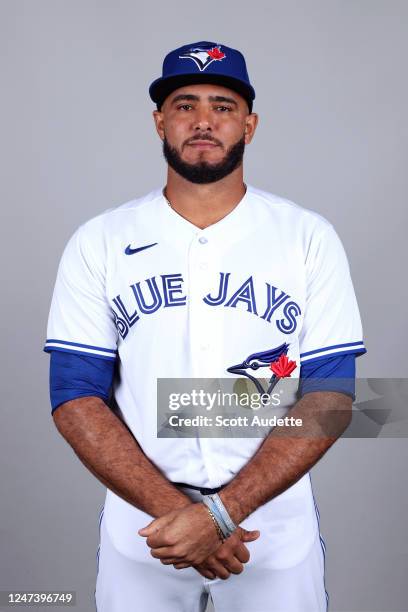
(204, 172)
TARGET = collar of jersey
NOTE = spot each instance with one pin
(230, 228)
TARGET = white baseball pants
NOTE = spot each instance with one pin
(143, 584)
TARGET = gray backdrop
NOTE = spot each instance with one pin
(77, 137)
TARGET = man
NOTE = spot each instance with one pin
(184, 283)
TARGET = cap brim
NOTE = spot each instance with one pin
(163, 87)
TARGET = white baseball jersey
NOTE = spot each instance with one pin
(141, 283)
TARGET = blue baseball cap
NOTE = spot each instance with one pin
(203, 62)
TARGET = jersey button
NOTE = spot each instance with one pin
(202, 240)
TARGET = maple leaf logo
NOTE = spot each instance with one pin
(283, 367)
(216, 54)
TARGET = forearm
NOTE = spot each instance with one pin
(286, 455)
(109, 450)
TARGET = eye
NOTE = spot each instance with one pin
(224, 109)
(184, 107)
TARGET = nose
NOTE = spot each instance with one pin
(202, 120)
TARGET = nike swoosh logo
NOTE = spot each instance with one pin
(130, 251)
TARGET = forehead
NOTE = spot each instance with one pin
(206, 91)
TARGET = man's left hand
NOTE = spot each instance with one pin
(187, 535)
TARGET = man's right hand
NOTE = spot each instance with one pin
(230, 557)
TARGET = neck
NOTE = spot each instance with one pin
(204, 205)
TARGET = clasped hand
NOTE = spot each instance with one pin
(187, 537)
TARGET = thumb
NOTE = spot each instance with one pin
(153, 526)
(249, 536)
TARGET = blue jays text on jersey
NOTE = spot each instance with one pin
(164, 291)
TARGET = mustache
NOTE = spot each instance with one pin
(202, 137)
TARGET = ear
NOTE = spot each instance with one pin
(158, 119)
(251, 122)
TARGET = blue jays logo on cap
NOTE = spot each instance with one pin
(203, 57)
(203, 62)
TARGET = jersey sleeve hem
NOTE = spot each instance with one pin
(81, 349)
(79, 395)
(330, 388)
(357, 348)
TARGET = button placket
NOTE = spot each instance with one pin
(197, 317)
(200, 326)
(194, 296)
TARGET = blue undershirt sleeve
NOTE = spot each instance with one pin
(73, 376)
(329, 374)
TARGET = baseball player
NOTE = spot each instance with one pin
(187, 282)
